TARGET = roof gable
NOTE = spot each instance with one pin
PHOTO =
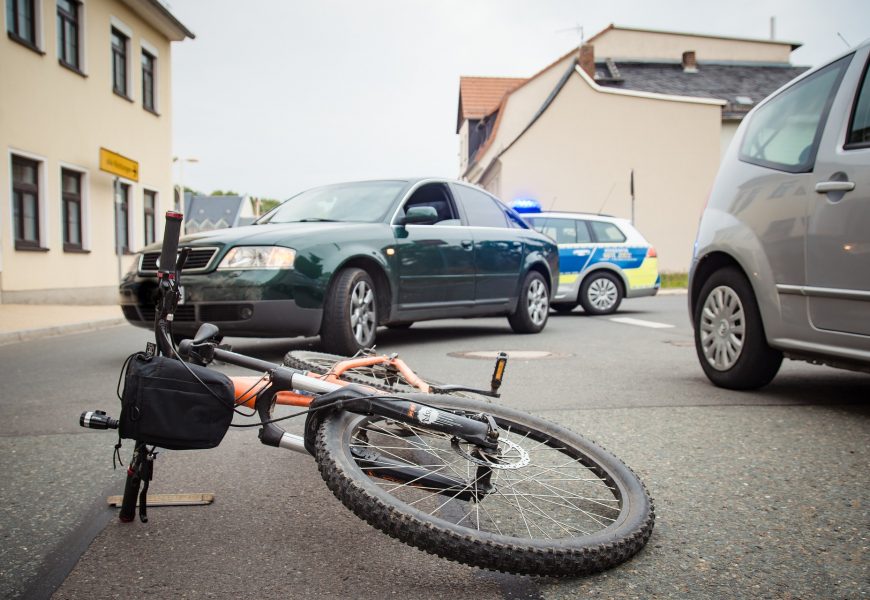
(481, 96)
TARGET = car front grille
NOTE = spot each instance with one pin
(198, 260)
(184, 312)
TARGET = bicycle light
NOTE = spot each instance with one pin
(97, 419)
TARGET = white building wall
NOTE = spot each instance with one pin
(580, 153)
(63, 118)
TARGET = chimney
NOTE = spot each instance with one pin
(690, 65)
(586, 59)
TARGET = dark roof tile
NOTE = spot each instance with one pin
(732, 83)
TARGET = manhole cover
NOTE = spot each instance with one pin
(514, 354)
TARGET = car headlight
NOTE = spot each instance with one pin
(258, 257)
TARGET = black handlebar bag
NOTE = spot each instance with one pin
(175, 405)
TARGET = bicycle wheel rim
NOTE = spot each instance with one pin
(522, 541)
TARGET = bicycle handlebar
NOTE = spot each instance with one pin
(171, 234)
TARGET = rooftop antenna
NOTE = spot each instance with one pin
(577, 29)
(840, 35)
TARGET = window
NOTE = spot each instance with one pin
(434, 196)
(605, 232)
(859, 128)
(563, 231)
(25, 202)
(21, 21)
(122, 220)
(120, 44)
(150, 206)
(68, 33)
(481, 209)
(148, 62)
(784, 134)
(71, 199)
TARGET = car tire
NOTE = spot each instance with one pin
(350, 313)
(729, 334)
(533, 306)
(601, 293)
(564, 308)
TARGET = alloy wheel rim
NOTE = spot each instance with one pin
(538, 302)
(602, 293)
(362, 313)
(722, 328)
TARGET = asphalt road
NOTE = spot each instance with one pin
(758, 494)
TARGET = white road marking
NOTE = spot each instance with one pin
(641, 323)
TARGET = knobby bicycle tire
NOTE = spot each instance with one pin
(560, 505)
(379, 376)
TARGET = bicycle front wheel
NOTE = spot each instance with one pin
(553, 503)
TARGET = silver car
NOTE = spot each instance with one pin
(781, 266)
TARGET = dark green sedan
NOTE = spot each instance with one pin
(343, 259)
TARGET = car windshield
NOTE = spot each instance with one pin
(366, 201)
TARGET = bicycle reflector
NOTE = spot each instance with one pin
(498, 373)
(97, 419)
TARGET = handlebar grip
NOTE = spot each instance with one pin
(171, 233)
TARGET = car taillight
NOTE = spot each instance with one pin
(651, 253)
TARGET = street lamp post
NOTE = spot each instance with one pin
(179, 207)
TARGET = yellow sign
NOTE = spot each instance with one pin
(114, 163)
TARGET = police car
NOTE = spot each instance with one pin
(602, 259)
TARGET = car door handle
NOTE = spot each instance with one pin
(823, 187)
(467, 244)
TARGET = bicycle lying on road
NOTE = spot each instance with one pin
(437, 466)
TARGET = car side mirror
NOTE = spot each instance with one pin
(420, 215)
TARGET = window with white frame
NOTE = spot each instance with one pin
(149, 210)
(23, 22)
(122, 221)
(72, 209)
(120, 62)
(149, 80)
(26, 207)
(69, 36)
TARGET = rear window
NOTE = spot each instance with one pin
(784, 133)
(563, 231)
(480, 209)
(606, 232)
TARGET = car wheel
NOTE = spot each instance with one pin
(564, 308)
(533, 307)
(350, 314)
(601, 293)
(729, 334)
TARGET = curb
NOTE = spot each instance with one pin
(26, 335)
(673, 292)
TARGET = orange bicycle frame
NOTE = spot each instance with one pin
(247, 387)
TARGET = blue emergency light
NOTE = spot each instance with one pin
(526, 205)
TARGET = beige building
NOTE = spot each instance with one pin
(662, 105)
(85, 101)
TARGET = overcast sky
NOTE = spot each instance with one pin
(275, 96)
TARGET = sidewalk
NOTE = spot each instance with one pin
(22, 322)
